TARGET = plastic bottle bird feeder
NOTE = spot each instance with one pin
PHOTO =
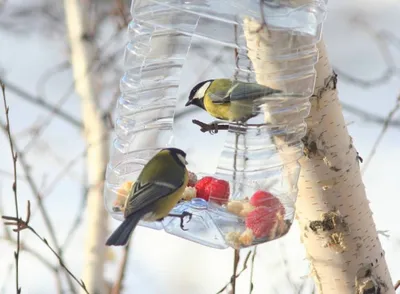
(243, 174)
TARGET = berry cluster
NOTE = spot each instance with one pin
(264, 217)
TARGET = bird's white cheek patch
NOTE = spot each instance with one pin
(200, 92)
(182, 159)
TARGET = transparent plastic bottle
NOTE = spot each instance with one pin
(174, 45)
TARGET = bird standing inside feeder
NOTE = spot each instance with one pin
(229, 100)
(154, 194)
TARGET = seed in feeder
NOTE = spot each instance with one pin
(192, 179)
(247, 237)
(247, 208)
(189, 193)
(234, 207)
(232, 238)
(280, 228)
(122, 194)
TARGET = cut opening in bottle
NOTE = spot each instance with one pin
(230, 87)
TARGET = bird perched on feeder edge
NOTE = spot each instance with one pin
(154, 194)
(229, 100)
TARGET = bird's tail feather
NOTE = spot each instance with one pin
(121, 235)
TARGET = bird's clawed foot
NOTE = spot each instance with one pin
(214, 127)
(182, 216)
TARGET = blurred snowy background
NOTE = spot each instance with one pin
(364, 47)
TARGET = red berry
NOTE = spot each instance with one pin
(261, 220)
(263, 198)
(192, 179)
(201, 188)
(218, 191)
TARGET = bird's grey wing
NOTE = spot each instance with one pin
(146, 194)
(248, 91)
(219, 97)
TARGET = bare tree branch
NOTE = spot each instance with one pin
(70, 90)
(381, 40)
(253, 258)
(77, 221)
(63, 172)
(7, 129)
(236, 275)
(381, 135)
(31, 251)
(39, 101)
(117, 288)
(369, 117)
(24, 224)
(36, 192)
(49, 74)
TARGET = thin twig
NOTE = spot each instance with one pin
(397, 285)
(381, 41)
(238, 274)
(63, 172)
(25, 248)
(24, 224)
(14, 185)
(367, 116)
(382, 79)
(70, 90)
(252, 269)
(212, 128)
(39, 101)
(18, 242)
(216, 126)
(121, 271)
(36, 192)
(40, 88)
(77, 221)
(10, 175)
(381, 135)
(236, 258)
(121, 12)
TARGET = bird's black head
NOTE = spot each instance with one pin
(196, 96)
(178, 154)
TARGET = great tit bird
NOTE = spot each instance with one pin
(229, 100)
(156, 191)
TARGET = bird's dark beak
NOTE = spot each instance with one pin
(188, 103)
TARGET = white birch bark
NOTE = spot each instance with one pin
(337, 228)
(82, 56)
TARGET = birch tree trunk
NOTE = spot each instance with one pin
(337, 228)
(333, 211)
(82, 56)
